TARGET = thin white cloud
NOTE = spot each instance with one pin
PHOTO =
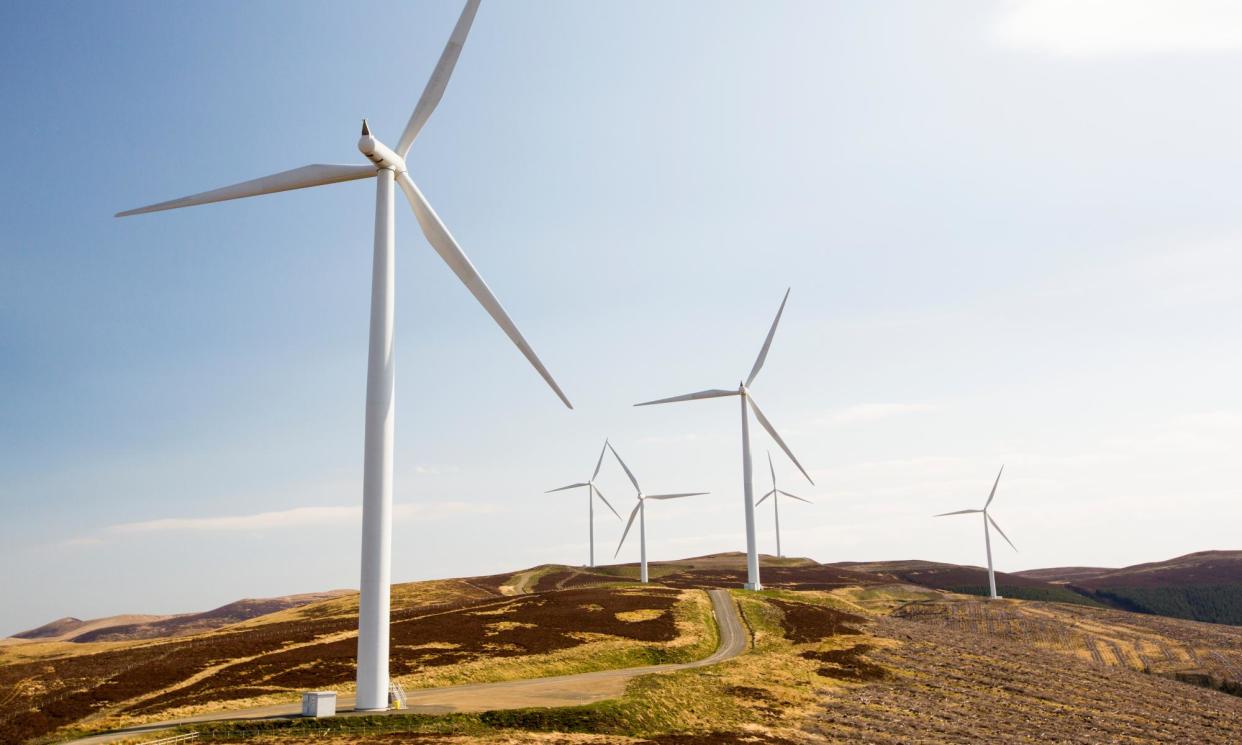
(423, 469)
(293, 518)
(672, 439)
(1193, 273)
(872, 412)
(1084, 28)
(80, 542)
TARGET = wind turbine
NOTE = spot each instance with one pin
(775, 494)
(987, 537)
(743, 391)
(640, 511)
(388, 167)
(592, 492)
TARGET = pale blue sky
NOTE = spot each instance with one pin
(1012, 232)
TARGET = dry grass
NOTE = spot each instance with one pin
(851, 664)
(696, 638)
(1100, 636)
(634, 616)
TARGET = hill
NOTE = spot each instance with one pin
(1203, 586)
(840, 653)
(134, 627)
(967, 580)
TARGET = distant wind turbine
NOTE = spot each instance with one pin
(592, 492)
(775, 494)
(743, 390)
(387, 167)
(987, 537)
(640, 511)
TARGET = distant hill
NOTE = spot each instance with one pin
(53, 629)
(1203, 586)
(967, 580)
(66, 629)
(134, 627)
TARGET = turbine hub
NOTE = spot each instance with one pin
(379, 153)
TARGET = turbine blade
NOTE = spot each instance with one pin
(316, 174)
(763, 421)
(767, 343)
(600, 494)
(713, 393)
(794, 496)
(764, 497)
(628, 525)
(600, 462)
(998, 530)
(444, 244)
(959, 512)
(772, 469)
(626, 468)
(993, 494)
(571, 486)
(675, 496)
(439, 78)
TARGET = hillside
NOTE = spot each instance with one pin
(134, 627)
(842, 653)
(1203, 586)
(967, 580)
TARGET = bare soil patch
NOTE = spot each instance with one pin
(957, 686)
(847, 664)
(803, 622)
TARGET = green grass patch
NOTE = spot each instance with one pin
(1021, 592)
(449, 724)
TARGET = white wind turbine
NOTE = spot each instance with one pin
(987, 537)
(592, 492)
(640, 511)
(776, 494)
(743, 390)
(387, 167)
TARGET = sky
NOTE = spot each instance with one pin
(1011, 230)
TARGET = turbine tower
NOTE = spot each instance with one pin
(640, 511)
(387, 166)
(592, 492)
(775, 494)
(748, 489)
(987, 537)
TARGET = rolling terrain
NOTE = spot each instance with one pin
(1203, 586)
(840, 653)
(132, 627)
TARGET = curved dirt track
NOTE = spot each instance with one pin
(561, 690)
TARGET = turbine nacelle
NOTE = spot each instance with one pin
(379, 153)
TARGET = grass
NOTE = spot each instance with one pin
(175, 678)
(762, 690)
(883, 599)
(697, 637)
(766, 690)
(779, 689)
(1022, 592)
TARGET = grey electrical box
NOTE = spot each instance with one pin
(319, 704)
